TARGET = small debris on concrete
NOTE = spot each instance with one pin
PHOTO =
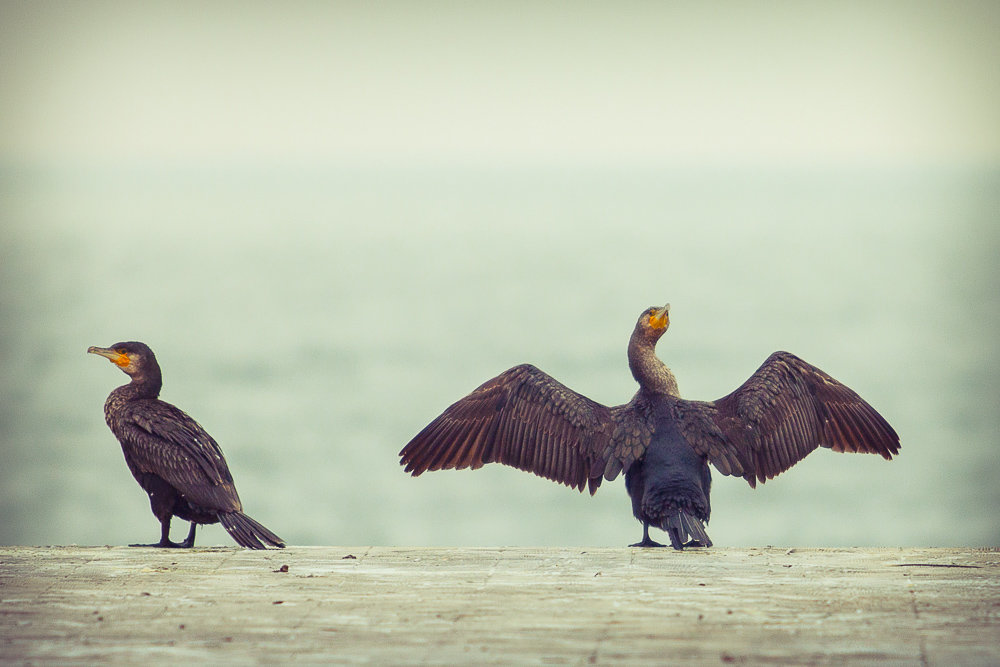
(433, 601)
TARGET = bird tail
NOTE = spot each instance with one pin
(247, 532)
(679, 524)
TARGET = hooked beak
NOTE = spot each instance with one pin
(116, 357)
(660, 317)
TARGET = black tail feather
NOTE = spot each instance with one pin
(679, 525)
(247, 532)
(696, 529)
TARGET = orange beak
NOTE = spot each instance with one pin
(660, 318)
(116, 357)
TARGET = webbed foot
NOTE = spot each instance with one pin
(165, 542)
(166, 545)
(646, 542)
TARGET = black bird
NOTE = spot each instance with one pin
(526, 419)
(174, 460)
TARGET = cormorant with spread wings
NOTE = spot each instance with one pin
(526, 419)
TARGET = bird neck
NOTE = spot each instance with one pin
(146, 386)
(652, 374)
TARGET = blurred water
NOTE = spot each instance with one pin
(314, 319)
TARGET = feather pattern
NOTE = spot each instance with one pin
(785, 410)
(159, 438)
(522, 418)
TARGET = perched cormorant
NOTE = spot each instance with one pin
(526, 419)
(174, 460)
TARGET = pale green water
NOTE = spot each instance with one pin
(313, 320)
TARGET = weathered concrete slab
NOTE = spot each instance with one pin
(543, 606)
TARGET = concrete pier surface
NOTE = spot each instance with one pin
(579, 606)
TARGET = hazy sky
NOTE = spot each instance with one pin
(290, 306)
(890, 82)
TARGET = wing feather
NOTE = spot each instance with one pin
(466, 453)
(785, 410)
(522, 418)
(161, 439)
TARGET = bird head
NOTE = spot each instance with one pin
(134, 358)
(654, 321)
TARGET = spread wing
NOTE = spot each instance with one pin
(522, 418)
(785, 410)
(159, 438)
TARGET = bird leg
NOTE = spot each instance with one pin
(165, 537)
(646, 542)
(189, 540)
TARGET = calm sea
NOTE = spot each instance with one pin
(314, 319)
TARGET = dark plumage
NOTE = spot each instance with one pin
(526, 419)
(172, 457)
